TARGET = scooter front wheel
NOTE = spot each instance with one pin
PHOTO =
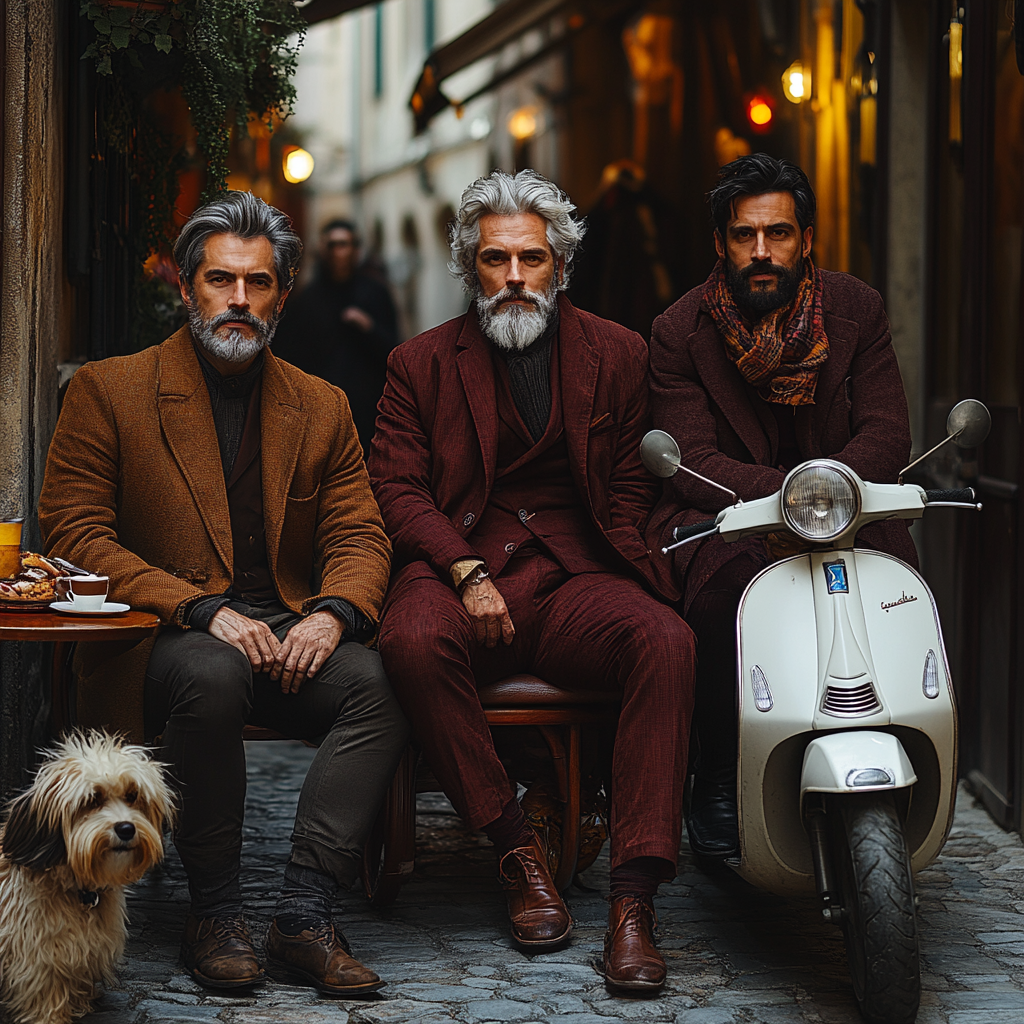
(877, 891)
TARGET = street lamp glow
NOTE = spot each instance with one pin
(523, 123)
(298, 164)
(796, 83)
(759, 112)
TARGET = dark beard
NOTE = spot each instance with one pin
(760, 300)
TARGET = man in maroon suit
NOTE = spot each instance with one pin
(506, 467)
(769, 363)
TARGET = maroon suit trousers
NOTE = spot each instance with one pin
(593, 631)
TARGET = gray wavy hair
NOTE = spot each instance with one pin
(243, 215)
(507, 195)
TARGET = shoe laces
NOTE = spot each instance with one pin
(229, 927)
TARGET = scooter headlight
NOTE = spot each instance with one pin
(820, 500)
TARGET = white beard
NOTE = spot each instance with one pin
(515, 328)
(235, 348)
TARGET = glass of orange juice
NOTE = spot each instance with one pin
(10, 547)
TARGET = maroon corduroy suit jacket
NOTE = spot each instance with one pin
(726, 433)
(434, 454)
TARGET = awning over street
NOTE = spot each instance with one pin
(321, 10)
(508, 22)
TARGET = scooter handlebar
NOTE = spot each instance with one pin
(681, 533)
(958, 495)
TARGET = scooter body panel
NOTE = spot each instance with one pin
(829, 642)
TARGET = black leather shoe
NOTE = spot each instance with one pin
(712, 821)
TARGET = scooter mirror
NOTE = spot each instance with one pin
(660, 453)
(969, 423)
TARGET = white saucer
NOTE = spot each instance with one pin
(109, 608)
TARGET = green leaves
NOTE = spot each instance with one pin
(163, 42)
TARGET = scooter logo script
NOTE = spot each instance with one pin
(835, 577)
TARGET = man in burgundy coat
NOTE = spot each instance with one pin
(769, 363)
(506, 466)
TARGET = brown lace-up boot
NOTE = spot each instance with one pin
(218, 953)
(540, 920)
(631, 961)
(320, 957)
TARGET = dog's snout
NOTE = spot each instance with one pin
(125, 830)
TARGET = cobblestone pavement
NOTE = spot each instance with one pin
(734, 954)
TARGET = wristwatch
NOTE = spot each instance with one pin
(474, 578)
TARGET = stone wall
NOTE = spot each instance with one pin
(33, 298)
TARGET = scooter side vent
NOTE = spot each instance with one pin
(857, 702)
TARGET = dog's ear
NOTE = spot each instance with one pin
(28, 839)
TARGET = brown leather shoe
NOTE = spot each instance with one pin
(320, 957)
(631, 961)
(218, 953)
(540, 920)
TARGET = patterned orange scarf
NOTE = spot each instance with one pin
(781, 354)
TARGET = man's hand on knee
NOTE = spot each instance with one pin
(490, 616)
(252, 637)
(307, 646)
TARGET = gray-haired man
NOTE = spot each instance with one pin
(224, 490)
(506, 463)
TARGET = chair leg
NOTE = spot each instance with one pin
(390, 854)
(571, 818)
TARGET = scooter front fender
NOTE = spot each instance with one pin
(857, 761)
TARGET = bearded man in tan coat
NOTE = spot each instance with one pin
(225, 490)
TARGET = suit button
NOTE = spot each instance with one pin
(509, 548)
(523, 515)
(467, 519)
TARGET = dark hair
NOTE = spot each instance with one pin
(243, 215)
(342, 223)
(754, 175)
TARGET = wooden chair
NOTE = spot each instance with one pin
(390, 854)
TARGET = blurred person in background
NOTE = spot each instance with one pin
(343, 326)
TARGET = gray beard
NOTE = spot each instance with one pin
(235, 347)
(516, 327)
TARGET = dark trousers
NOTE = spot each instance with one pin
(592, 631)
(712, 617)
(199, 693)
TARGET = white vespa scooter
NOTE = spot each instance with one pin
(847, 718)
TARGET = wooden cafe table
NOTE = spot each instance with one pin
(65, 631)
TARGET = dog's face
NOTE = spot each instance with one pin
(95, 805)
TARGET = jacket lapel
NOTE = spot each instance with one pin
(473, 359)
(723, 383)
(186, 419)
(578, 367)
(283, 424)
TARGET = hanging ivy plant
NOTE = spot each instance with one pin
(239, 57)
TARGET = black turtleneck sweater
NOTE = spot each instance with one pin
(529, 374)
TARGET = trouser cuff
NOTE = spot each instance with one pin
(343, 866)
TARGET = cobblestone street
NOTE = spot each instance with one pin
(734, 954)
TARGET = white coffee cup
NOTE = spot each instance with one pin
(88, 592)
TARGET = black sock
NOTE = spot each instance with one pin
(640, 876)
(509, 830)
(305, 900)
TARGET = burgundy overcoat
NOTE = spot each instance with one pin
(859, 417)
(434, 454)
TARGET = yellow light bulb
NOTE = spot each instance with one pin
(523, 123)
(760, 113)
(298, 164)
(796, 83)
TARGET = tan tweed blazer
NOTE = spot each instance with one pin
(134, 490)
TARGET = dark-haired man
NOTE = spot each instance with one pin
(343, 326)
(769, 363)
(225, 491)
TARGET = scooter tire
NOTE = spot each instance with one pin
(879, 919)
